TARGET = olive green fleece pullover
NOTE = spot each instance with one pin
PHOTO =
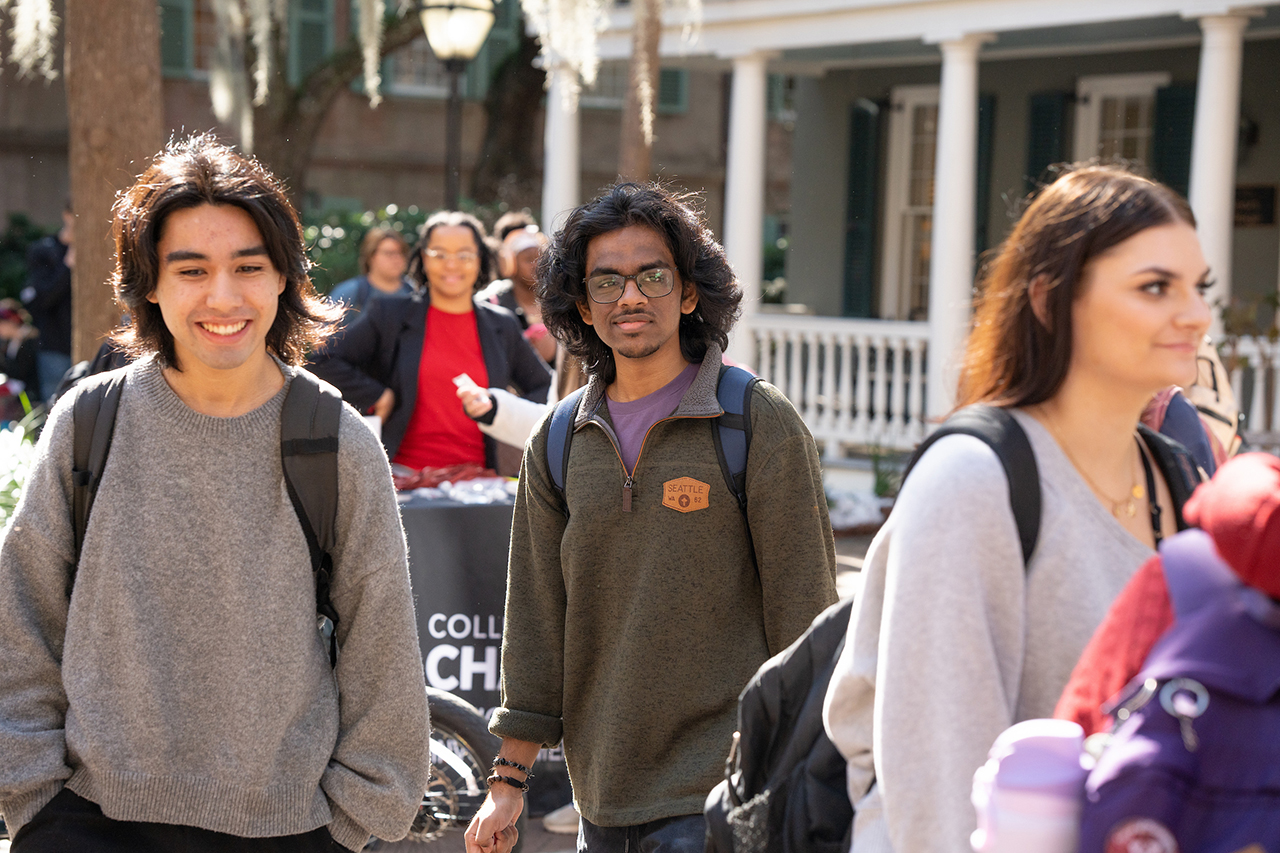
(630, 634)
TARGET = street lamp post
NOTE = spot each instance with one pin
(456, 30)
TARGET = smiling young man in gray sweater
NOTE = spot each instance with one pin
(181, 697)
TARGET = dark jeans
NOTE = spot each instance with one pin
(71, 823)
(682, 834)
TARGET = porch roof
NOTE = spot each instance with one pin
(813, 35)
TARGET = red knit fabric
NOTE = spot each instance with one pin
(1139, 615)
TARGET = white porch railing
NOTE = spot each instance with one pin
(858, 383)
(1254, 364)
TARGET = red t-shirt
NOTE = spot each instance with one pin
(439, 431)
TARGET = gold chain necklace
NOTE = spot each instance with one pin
(1126, 508)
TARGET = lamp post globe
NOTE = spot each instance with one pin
(456, 30)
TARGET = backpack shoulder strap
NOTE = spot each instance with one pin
(1180, 471)
(733, 428)
(309, 455)
(560, 437)
(93, 415)
(1002, 433)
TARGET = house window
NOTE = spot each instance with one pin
(1115, 117)
(414, 70)
(611, 88)
(177, 36)
(310, 36)
(908, 222)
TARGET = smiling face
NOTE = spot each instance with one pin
(1141, 312)
(637, 327)
(452, 263)
(217, 288)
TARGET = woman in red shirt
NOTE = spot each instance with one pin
(399, 359)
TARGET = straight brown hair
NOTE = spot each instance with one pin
(1012, 358)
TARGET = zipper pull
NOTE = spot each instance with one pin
(626, 494)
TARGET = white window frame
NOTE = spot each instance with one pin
(894, 301)
(1089, 94)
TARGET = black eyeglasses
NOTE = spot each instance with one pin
(609, 287)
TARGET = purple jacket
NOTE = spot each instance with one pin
(1149, 790)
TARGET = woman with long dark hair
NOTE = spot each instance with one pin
(1093, 304)
(400, 358)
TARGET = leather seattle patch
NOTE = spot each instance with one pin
(686, 494)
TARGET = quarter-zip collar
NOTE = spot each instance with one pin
(698, 402)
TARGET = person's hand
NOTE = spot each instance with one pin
(493, 829)
(475, 400)
(385, 404)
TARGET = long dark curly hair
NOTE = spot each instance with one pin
(699, 260)
(196, 171)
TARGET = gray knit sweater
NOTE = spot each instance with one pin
(186, 681)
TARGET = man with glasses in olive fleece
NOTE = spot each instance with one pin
(641, 599)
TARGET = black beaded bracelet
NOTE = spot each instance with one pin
(512, 781)
(515, 765)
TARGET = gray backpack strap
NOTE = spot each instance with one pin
(93, 416)
(309, 456)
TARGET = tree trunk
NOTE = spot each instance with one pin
(287, 125)
(115, 111)
(507, 170)
(641, 102)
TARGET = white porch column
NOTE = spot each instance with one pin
(954, 187)
(1213, 147)
(744, 191)
(560, 171)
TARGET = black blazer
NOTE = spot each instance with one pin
(383, 348)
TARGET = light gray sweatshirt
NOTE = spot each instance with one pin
(954, 640)
(186, 681)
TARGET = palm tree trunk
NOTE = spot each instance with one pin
(116, 125)
(641, 102)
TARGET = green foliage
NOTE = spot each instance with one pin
(886, 467)
(333, 239)
(20, 234)
(333, 236)
(17, 450)
(775, 271)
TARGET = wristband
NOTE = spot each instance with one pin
(515, 765)
(510, 780)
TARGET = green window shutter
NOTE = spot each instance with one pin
(1046, 141)
(176, 37)
(310, 36)
(1173, 124)
(982, 187)
(673, 90)
(860, 210)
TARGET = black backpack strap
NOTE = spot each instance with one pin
(1179, 468)
(309, 456)
(1002, 433)
(732, 433)
(560, 438)
(93, 415)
